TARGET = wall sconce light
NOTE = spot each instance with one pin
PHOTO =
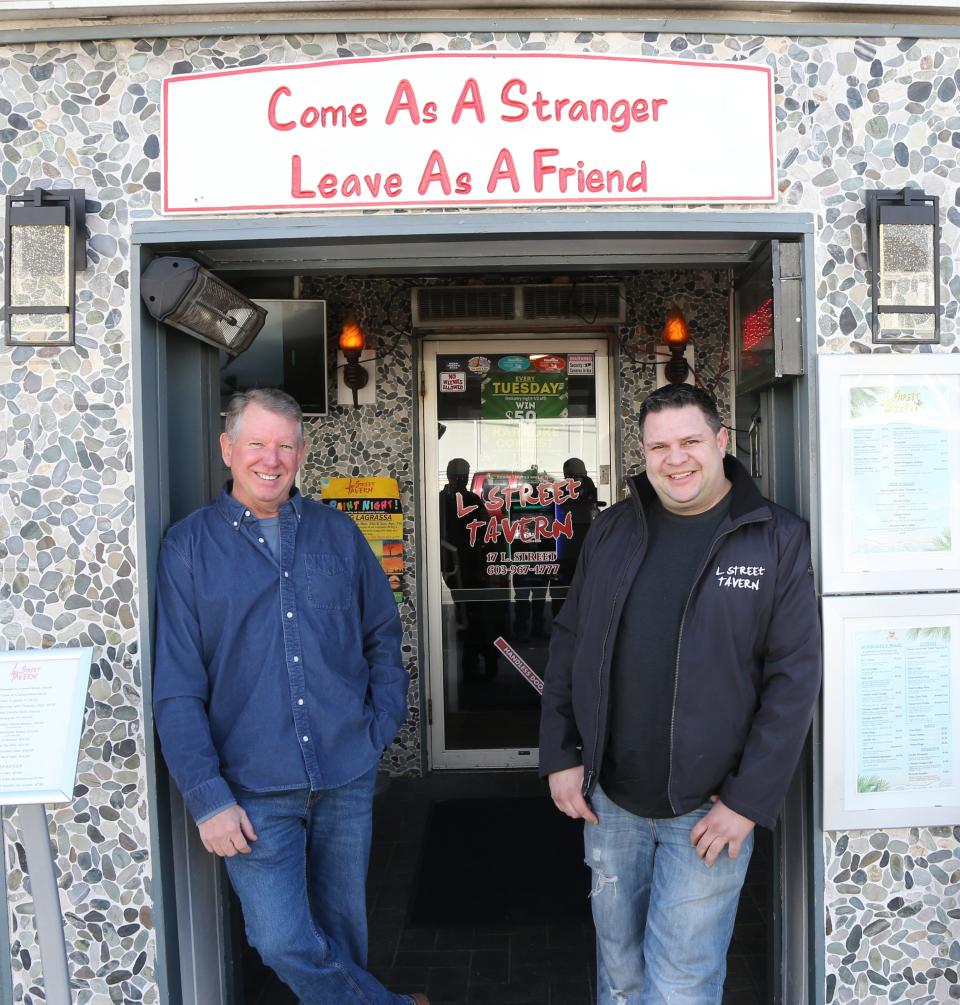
(182, 294)
(903, 242)
(676, 337)
(46, 247)
(351, 343)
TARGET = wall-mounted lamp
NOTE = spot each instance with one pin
(903, 241)
(352, 342)
(182, 294)
(46, 247)
(676, 337)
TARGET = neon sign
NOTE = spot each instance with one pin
(757, 326)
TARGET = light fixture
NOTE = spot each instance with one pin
(46, 246)
(676, 336)
(351, 343)
(181, 293)
(903, 241)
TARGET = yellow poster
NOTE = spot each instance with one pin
(374, 505)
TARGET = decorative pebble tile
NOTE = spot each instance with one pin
(851, 114)
(893, 915)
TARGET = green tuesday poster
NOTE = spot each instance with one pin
(525, 387)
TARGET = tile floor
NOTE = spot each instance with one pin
(543, 965)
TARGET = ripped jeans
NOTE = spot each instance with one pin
(663, 918)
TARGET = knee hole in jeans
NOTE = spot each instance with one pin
(601, 881)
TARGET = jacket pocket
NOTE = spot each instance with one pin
(328, 581)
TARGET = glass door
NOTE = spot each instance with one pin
(517, 464)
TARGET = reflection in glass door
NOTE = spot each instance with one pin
(517, 466)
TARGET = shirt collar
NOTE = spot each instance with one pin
(235, 512)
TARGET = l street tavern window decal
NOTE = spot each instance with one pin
(529, 507)
(468, 129)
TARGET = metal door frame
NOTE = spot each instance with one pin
(431, 657)
(785, 436)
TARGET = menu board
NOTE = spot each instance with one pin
(890, 472)
(42, 697)
(892, 710)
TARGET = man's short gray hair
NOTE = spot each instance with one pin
(272, 399)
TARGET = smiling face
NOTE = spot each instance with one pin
(263, 458)
(685, 459)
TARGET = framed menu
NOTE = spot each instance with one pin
(891, 711)
(42, 697)
(890, 472)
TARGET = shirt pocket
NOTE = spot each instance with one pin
(328, 581)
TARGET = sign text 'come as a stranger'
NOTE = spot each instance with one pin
(468, 129)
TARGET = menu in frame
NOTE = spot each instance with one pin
(900, 446)
(892, 710)
(904, 709)
(890, 471)
(42, 698)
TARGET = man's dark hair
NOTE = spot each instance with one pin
(679, 396)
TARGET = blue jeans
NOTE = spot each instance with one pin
(663, 917)
(302, 890)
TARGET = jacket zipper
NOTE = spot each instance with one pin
(588, 779)
(714, 547)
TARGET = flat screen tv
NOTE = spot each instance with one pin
(290, 352)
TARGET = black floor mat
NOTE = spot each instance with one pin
(501, 862)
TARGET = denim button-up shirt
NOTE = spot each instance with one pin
(273, 675)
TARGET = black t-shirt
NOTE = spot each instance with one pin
(636, 764)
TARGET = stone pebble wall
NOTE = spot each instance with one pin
(893, 915)
(851, 114)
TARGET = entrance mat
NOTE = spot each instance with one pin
(501, 862)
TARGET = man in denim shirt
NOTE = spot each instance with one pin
(278, 685)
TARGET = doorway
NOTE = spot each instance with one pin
(194, 962)
(516, 464)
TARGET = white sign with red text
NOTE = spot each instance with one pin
(43, 695)
(468, 129)
(453, 381)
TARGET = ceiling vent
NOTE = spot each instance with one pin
(518, 308)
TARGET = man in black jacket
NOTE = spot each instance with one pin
(683, 670)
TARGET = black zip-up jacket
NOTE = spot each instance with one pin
(747, 670)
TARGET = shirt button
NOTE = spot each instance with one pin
(296, 659)
(260, 539)
(300, 702)
(286, 575)
(235, 523)
(289, 614)
(246, 512)
(306, 739)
